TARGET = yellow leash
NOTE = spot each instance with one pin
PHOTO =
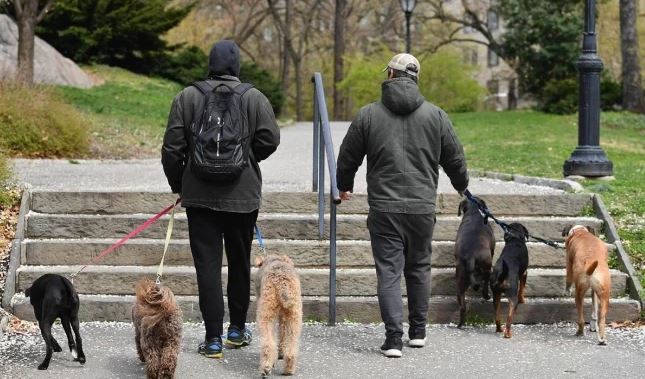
(165, 248)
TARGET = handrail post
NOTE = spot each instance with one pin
(317, 147)
(323, 144)
(332, 260)
(321, 186)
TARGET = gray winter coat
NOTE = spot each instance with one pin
(240, 196)
(405, 139)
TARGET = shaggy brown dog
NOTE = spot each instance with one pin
(279, 301)
(157, 323)
(587, 267)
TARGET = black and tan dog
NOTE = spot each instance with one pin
(474, 249)
(52, 297)
(587, 268)
(509, 274)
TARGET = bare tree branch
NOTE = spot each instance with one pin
(44, 11)
(17, 6)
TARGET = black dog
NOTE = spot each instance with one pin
(53, 296)
(474, 249)
(509, 274)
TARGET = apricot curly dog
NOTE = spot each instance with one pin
(157, 322)
(279, 301)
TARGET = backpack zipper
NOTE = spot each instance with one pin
(219, 123)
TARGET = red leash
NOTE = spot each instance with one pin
(133, 233)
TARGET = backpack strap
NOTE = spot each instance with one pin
(241, 88)
(203, 86)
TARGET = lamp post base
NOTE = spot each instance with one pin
(588, 161)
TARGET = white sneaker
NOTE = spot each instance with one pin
(392, 347)
(417, 342)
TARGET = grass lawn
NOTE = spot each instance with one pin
(537, 144)
(128, 111)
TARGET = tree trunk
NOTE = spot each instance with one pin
(26, 42)
(632, 85)
(286, 42)
(297, 63)
(339, 51)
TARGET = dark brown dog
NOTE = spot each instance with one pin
(157, 322)
(509, 274)
(587, 268)
(474, 249)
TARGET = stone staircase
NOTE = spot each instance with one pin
(64, 230)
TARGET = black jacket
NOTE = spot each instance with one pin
(405, 139)
(241, 196)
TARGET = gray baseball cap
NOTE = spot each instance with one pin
(406, 63)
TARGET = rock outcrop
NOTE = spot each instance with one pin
(50, 66)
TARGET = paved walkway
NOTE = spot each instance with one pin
(351, 351)
(288, 169)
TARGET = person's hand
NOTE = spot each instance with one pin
(345, 195)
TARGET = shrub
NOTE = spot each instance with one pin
(265, 82)
(444, 80)
(186, 65)
(561, 96)
(34, 122)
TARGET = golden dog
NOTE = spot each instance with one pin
(279, 301)
(157, 322)
(587, 267)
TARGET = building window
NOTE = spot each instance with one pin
(493, 86)
(267, 34)
(493, 59)
(467, 28)
(493, 20)
(471, 57)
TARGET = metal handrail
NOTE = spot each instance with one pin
(323, 144)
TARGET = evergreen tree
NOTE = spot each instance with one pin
(125, 33)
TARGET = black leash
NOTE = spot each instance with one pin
(487, 214)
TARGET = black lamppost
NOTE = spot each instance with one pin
(407, 6)
(588, 159)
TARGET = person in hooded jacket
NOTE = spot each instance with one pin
(405, 139)
(220, 214)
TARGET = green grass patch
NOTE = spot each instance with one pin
(537, 144)
(34, 122)
(128, 111)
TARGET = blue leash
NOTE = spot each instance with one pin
(487, 214)
(258, 236)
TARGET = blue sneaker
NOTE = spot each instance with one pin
(211, 348)
(238, 338)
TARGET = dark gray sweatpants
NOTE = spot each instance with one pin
(402, 243)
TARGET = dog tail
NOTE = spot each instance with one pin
(71, 291)
(591, 267)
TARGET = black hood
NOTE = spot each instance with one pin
(401, 95)
(224, 59)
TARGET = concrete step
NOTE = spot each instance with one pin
(274, 226)
(357, 309)
(120, 280)
(298, 202)
(146, 252)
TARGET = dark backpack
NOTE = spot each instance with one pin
(220, 134)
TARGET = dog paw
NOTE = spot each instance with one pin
(43, 366)
(592, 327)
(580, 334)
(57, 349)
(81, 360)
(602, 343)
(265, 373)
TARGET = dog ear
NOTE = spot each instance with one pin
(259, 260)
(592, 230)
(566, 230)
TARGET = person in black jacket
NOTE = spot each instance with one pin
(405, 139)
(220, 214)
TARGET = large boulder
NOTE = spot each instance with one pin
(50, 66)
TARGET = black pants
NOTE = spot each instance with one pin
(210, 233)
(402, 243)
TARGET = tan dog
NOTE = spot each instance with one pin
(279, 301)
(157, 322)
(587, 268)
